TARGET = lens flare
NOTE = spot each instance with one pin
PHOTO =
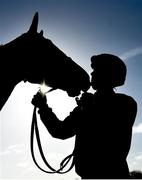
(43, 88)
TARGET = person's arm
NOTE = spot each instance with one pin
(58, 129)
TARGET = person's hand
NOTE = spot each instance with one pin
(39, 100)
(85, 100)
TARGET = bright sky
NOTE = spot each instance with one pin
(81, 28)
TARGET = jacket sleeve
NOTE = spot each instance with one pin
(60, 129)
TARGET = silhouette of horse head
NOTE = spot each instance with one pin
(33, 58)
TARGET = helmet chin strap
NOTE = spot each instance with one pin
(35, 132)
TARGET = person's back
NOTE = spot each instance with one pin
(103, 142)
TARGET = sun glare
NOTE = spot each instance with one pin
(44, 88)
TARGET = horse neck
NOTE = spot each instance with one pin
(9, 78)
(10, 75)
(7, 86)
(11, 67)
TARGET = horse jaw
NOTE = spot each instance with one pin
(34, 25)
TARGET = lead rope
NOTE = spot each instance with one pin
(65, 161)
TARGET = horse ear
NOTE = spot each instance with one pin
(41, 33)
(34, 25)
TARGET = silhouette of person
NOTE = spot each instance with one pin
(102, 122)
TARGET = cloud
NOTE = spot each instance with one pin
(16, 149)
(135, 161)
(3, 153)
(23, 164)
(139, 157)
(137, 129)
(131, 53)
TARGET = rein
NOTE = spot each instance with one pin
(35, 133)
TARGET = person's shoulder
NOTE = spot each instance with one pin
(126, 99)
